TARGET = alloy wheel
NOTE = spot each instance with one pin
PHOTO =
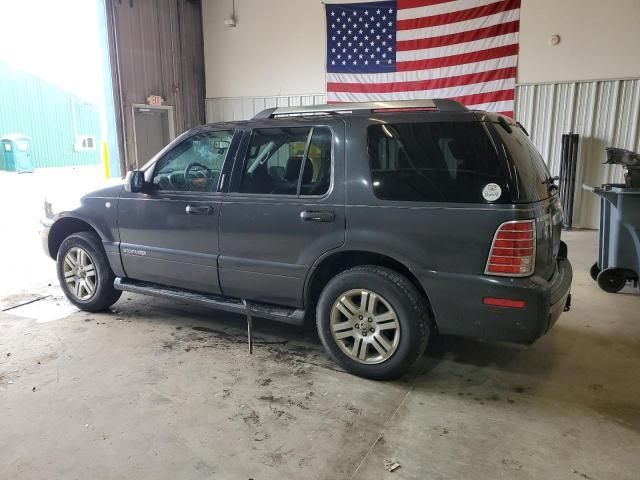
(365, 326)
(79, 273)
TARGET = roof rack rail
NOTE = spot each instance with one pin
(440, 104)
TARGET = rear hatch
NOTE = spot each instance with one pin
(532, 185)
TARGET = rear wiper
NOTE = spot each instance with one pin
(550, 183)
(522, 128)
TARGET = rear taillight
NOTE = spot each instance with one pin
(513, 251)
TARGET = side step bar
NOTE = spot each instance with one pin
(217, 302)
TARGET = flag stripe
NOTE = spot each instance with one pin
(458, 59)
(486, 97)
(473, 93)
(461, 37)
(431, 84)
(459, 48)
(465, 26)
(415, 75)
(446, 7)
(460, 16)
(503, 106)
(406, 4)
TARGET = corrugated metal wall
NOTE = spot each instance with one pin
(52, 117)
(157, 49)
(604, 113)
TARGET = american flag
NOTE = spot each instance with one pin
(466, 50)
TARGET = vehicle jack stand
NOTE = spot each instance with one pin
(249, 326)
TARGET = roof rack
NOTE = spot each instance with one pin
(440, 104)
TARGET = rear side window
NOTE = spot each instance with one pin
(531, 170)
(435, 162)
(288, 161)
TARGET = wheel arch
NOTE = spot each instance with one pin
(333, 264)
(64, 227)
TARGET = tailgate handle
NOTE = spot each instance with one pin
(199, 209)
(317, 216)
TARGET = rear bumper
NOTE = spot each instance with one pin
(457, 302)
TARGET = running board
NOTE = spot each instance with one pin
(271, 312)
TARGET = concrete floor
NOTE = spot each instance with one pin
(160, 390)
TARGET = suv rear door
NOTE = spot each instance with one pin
(284, 209)
(533, 185)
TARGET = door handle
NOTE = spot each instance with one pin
(317, 216)
(199, 209)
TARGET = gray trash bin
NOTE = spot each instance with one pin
(619, 238)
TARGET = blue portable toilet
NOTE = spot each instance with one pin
(16, 151)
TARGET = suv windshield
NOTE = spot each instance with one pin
(531, 171)
(435, 162)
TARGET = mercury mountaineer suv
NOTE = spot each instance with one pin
(382, 221)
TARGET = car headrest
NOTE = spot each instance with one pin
(293, 169)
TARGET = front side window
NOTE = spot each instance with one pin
(435, 162)
(195, 164)
(288, 161)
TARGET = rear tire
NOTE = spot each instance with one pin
(612, 280)
(84, 273)
(373, 322)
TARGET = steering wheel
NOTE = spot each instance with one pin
(199, 176)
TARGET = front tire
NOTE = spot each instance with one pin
(84, 273)
(373, 322)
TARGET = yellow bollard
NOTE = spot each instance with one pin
(105, 159)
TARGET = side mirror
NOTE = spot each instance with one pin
(134, 181)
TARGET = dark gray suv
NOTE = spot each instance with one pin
(386, 220)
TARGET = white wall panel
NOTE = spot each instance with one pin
(226, 109)
(604, 113)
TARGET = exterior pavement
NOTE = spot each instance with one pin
(161, 390)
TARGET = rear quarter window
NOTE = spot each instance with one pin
(530, 169)
(435, 162)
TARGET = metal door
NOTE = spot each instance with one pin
(153, 129)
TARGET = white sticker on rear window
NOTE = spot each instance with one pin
(491, 192)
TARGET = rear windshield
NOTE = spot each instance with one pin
(531, 172)
(435, 162)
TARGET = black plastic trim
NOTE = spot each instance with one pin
(217, 302)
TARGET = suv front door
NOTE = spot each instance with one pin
(169, 234)
(285, 209)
